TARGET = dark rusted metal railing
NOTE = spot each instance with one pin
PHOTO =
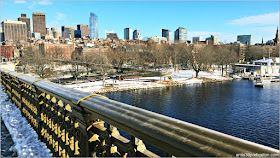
(74, 123)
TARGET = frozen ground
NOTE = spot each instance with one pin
(178, 78)
(25, 138)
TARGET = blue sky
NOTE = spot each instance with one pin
(201, 18)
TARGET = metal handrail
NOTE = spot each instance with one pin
(172, 136)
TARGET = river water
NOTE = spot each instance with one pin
(236, 108)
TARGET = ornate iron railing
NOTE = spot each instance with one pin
(74, 123)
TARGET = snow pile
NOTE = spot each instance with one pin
(25, 138)
(215, 75)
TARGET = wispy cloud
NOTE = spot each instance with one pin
(19, 1)
(263, 19)
(45, 2)
(60, 16)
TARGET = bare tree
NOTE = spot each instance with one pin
(225, 55)
(77, 58)
(38, 61)
(254, 53)
(199, 58)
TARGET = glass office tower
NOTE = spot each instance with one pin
(93, 25)
(180, 35)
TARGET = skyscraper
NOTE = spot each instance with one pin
(56, 33)
(23, 18)
(245, 38)
(49, 33)
(14, 30)
(68, 31)
(93, 23)
(180, 35)
(128, 33)
(167, 33)
(39, 23)
(85, 30)
(137, 35)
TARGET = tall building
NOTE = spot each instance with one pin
(68, 32)
(137, 35)
(49, 32)
(244, 39)
(14, 30)
(196, 39)
(214, 39)
(167, 34)
(85, 30)
(56, 33)
(107, 33)
(276, 40)
(23, 18)
(93, 23)
(128, 34)
(1, 34)
(180, 35)
(39, 23)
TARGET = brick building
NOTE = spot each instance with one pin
(23, 18)
(68, 32)
(7, 53)
(85, 30)
(39, 23)
(57, 51)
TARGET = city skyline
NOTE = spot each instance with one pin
(225, 22)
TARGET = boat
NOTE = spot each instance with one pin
(258, 82)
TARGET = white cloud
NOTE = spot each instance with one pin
(60, 16)
(19, 1)
(263, 19)
(44, 2)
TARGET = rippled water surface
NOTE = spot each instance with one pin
(235, 107)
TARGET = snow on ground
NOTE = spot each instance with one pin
(25, 138)
(203, 74)
(178, 78)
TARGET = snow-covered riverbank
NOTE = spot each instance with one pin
(178, 78)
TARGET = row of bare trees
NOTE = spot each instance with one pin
(258, 52)
(199, 58)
